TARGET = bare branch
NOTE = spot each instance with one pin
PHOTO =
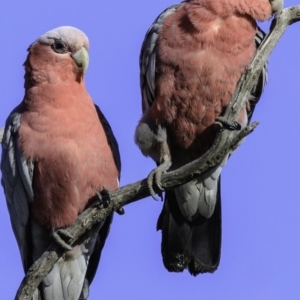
(224, 143)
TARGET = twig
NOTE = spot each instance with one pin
(224, 143)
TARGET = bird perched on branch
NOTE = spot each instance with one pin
(191, 60)
(58, 152)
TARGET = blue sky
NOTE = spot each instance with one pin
(260, 184)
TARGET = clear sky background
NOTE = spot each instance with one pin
(260, 184)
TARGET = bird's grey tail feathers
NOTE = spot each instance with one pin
(38, 294)
(193, 245)
(71, 276)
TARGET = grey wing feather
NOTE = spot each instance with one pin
(148, 58)
(17, 183)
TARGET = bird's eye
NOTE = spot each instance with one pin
(60, 47)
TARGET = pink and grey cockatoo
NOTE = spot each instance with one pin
(58, 152)
(191, 60)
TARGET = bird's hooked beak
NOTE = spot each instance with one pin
(81, 57)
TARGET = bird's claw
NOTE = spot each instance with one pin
(150, 182)
(105, 199)
(63, 238)
(222, 124)
(155, 178)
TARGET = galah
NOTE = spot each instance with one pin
(58, 153)
(191, 60)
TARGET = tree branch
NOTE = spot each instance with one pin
(224, 143)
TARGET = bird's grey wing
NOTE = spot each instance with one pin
(148, 58)
(17, 184)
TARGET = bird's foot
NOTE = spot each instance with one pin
(63, 238)
(105, 200)
(155, 178)
(104, 197)
(221, 123)
(277, 6)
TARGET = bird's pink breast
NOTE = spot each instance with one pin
(201, 54)
(61, 132)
